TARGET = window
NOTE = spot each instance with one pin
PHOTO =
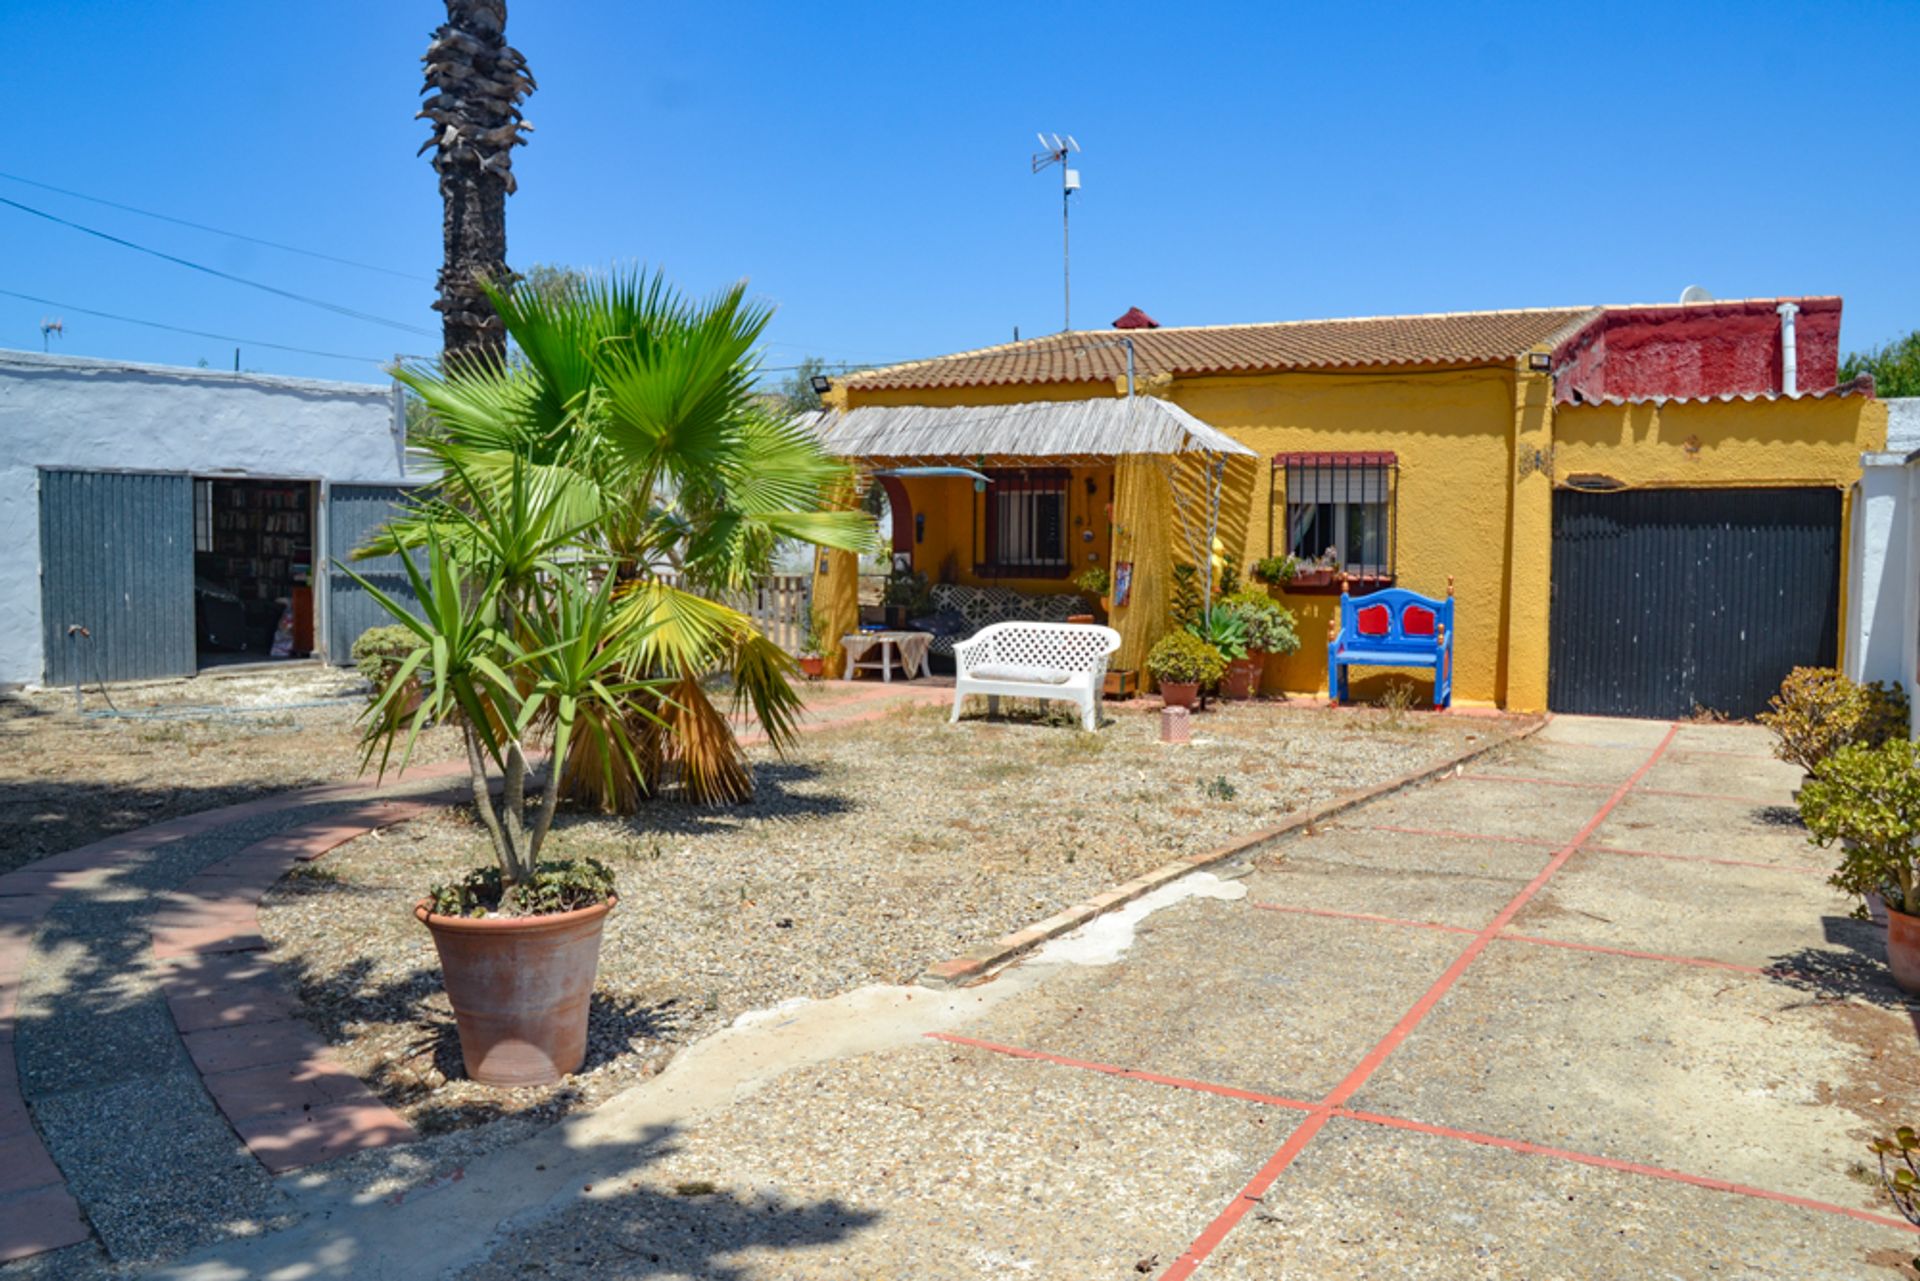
(1026, 523)
(1340, 505)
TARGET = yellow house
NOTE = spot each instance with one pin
(1638, 509)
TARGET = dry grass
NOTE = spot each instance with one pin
(869, 853)
(68, 778)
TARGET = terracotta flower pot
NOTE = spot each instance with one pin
(1241, 679)
(520, 988)
(1903, 950)
(1179, 693)
(813, 667)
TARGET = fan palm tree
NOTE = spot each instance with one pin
(627, 432)
(477, 81)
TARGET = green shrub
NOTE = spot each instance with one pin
(1184, 659)
(1094, 582)
(555, 886)
(1269, 623)
(1225, 630)
(813, 639)
(378, 653)
(1868, 799)
(1818, 711)
(1275, 571)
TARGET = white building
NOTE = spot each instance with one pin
(159, 520)
(1883, 591)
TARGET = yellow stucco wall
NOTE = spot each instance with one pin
(956, 516)
(1480, 453)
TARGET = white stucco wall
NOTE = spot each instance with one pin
(58, 411)
(1883, 596)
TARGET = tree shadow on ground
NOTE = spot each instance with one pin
(654, 1227)
(777, 794)
(337, 1002)
(1853, 968)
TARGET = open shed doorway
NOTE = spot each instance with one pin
(253, 544)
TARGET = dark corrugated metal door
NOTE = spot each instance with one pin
(1667, 600)
(116, 557)
(353, 513)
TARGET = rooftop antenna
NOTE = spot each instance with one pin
(48, 328)
(1053, 151)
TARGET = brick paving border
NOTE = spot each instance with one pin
(972, 965)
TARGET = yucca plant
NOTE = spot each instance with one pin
(628, 421)
(557, 673)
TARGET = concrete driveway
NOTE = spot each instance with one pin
(1586, 1009)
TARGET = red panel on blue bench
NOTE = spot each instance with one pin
(1417, 621)
(1372, 621)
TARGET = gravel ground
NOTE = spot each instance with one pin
(71, 777)
(866, 854)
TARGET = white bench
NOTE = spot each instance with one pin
(1065, 662)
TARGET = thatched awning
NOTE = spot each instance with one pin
(1104, 428)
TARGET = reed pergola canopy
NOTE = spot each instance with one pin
(1100, 429)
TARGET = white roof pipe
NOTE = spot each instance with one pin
(1789, 352)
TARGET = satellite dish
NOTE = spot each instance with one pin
(1694, 293)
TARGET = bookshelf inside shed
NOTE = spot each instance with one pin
(253, 569)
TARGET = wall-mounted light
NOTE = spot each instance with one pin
(1540, 361)
(821, 384)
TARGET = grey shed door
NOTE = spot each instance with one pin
(353, 513)
(116, 558)
(1666, 600)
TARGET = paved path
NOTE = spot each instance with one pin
(1586, 1009)
(155, 1089)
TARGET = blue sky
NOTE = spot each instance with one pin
(866, 166)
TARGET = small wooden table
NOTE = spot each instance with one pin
(908, 649)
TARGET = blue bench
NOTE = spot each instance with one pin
(1393, 627)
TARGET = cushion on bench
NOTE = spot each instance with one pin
(1019, 675)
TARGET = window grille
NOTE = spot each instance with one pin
(1026, 523)
(1337, 509)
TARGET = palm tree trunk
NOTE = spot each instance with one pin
(477, 81)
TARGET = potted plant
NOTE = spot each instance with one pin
(1269, 627)
(1274, 571)
(1097, 583)
(1819, 710)
(1224, 628)
(519, 942)
(905, 596)
(1180, 663)
(1868, 799)
(813, 648)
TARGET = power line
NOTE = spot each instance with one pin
(217, 231)
(369, 317)
(197, 333)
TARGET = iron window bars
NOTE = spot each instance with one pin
(1342, 506)
(1026, 523)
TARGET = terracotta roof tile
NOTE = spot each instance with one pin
(1450, 338)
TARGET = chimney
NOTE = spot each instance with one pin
(1136, 319)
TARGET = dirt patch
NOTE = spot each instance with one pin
(69, 777)
(865, 854)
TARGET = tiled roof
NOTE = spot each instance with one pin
(1449, 338)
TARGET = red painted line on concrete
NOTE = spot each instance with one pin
(1533, 939)
(1365, 916)
(1131, 1074)
(1249, 1196)
(1701, 962)
(1320, 1114)
(1704, 858)
(1624, 1167)
(1534, 782)
(1217, 1231)
(1451, 835)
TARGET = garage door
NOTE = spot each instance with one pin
(1669, 600)
(354, 513)
(116, 575)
